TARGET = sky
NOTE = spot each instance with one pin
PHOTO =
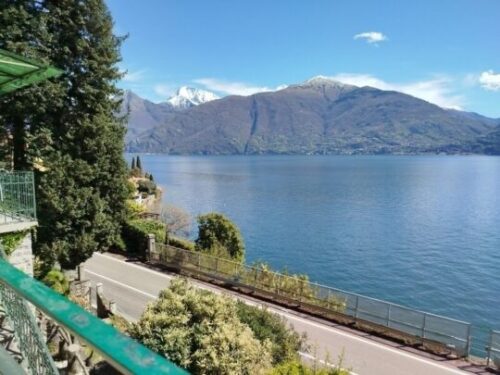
(443, 51)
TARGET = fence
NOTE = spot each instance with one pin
(17, 197)
(494, 350)
(448, 335)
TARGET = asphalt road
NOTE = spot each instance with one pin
(132, 286)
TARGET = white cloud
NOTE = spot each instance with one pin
(490, 80)
(372, 37)
(164, 90)
(437, 90)
(233, 88)
(135, 76)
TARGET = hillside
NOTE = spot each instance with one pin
(319, 116)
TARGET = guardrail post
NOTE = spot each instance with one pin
(389, 316)
(488, 349)
(423, 325)
(151, 246)
(469, 339)
(356, 308)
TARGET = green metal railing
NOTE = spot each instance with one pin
(17, 197)
(123, 353)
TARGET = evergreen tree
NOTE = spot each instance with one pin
(151, 178)
(69, 124)
(132, 166)
(138, 163)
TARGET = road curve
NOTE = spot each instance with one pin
(132, 286)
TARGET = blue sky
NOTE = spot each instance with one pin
(444, 51)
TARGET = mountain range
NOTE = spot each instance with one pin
(318, 116)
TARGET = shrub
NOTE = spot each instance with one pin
(295, 367)
(181, 243)
(265, 325)
(56, 280)
(134, 209)
(146, 186)
(219, 236)
(135, 234)
(200, 331)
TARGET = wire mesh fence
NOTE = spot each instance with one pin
(451, 334)
(17, 197)
(494, 350)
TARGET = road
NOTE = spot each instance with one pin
(132, 286)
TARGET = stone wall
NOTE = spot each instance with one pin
(22, 256)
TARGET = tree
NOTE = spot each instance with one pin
(138, 163)
(151, 178)
(177, 220)
(201, 332)
(133, 163)
(219, 236)
(69, 124)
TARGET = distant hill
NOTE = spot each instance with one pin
(319, 116)
(145, 115)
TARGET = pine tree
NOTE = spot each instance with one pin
(138, 163)
(72, 129)
(132, 166)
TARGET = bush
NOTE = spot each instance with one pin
(295, 367)
(133, 209)
(200, 331)
(56, 280)
(135, 234)
(181, 243)
(266, 325)
(219, 236)
(146, 186)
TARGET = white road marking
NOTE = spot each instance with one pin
(280, 312)
(121, 284)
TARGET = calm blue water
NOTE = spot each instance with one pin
(423, 231)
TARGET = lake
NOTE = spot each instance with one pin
(422, 231)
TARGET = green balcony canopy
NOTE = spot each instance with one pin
(17, 72)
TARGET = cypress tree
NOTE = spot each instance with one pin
(73, 130)
(133, 163)
(138, 163)
(151, 178)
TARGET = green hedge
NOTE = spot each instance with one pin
(135, 234)
(181, 243)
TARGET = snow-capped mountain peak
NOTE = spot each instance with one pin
(187, 97)
(323, 81)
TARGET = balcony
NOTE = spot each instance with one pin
(17, 201)
(26, 351)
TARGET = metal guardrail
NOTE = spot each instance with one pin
(452, 334)
(123, 353)
(17, 197)
(493, 350)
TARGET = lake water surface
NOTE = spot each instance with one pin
(422, 231)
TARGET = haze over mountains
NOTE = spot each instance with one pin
(318, 116)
